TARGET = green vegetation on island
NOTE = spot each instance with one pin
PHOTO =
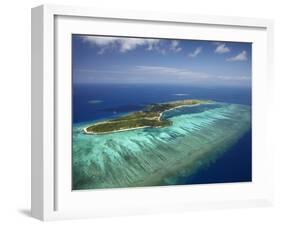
(150, 116)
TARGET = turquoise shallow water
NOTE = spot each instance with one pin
(157, 156)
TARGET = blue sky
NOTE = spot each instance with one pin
(98, 59)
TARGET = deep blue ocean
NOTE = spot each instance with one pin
(99, 102)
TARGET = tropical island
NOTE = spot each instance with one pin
(150, 116)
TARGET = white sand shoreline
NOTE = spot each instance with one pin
(115, 131)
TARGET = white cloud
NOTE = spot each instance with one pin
(184, 74)
(127, 44)
(122, 44)
(171, 71)
(195, 52)
(175, 46)
(234, 78)
(240, 57)
(100, 41)
(221, 48)
(156, 74)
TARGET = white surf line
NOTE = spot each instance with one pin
(186, 105)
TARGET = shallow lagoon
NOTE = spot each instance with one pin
(158, 156)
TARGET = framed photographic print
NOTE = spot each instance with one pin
(140, 112)
(149, 111)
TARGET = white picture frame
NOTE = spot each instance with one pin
(52, 197)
